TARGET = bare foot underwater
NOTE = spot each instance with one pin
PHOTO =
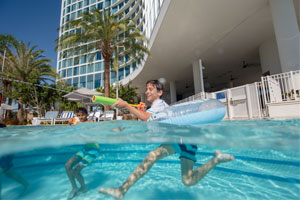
(114, 192)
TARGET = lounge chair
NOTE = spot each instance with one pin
(49, 117)
(108, 115)
(65, 116)
(95, 115)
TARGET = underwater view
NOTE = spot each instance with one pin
(266, 161)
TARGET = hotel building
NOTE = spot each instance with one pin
(196, 45)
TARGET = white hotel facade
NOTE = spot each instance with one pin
(196, 45)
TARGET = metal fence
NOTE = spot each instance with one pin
(281, 87)
(252, 100)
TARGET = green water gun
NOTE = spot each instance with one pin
(110, 101)
(103, 100)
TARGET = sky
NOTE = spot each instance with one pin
(34, 21)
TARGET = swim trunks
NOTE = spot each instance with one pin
(187, 151)
(88, 154)
(6, 162)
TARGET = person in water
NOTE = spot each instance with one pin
(187, 152)
(81, 159)
(6, 168)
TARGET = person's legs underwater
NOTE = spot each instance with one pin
(161, 152)
(191, 177)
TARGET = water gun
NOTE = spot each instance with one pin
(110, 101)
(75, 120)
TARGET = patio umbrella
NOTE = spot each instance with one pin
(82, 95)
(7, 107)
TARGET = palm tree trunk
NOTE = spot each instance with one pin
(20, 111)
(106, 80)
(5, 84)
(9, 90)
(8, 112)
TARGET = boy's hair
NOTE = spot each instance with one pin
(82, 110)
(159, 86)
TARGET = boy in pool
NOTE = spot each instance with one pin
(187, 152)
(80, 160)
(6, 164)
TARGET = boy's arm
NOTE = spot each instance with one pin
(140, 114)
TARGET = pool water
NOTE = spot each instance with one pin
(267, 164)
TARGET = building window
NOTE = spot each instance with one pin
(86, 3)
(76, 71)
(90, 81)
(100, 6)
(83, 59)
(121, 74)
(126, 11)
(114, 9)
(63, 73)
(82, 69)
(76, 60)
(69, 81)
(90, 58)
(68, 9)
(73, 16)
(92, 1)
(70, 62)
(99, 56)
(98, 66)
(90, 68)
(75, 82)
(73, 7)
(133, 66)
(112, 77)
(127, 70)
(107, 3)
(79, 13)
(79, 5)
(67, 18)
(64, 63)
(86, 9)
(97, 80)
(121, 5)
(82, 82)
(69, 72)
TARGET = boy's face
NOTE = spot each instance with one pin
(151, 93)
(82, 117)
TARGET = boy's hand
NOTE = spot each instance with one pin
(121, 104)
(70, 121)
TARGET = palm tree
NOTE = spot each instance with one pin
(27, 64)
(106, 33)
(6, 41)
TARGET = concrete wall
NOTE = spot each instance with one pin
(269, 57)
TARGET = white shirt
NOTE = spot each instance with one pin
(157, 106)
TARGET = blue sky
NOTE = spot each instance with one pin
(34, 21)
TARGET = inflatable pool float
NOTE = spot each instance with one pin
(189, 113)
(192, 113)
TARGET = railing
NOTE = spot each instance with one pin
(252, 100)
(281, 87)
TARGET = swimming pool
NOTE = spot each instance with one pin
(267, 164)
